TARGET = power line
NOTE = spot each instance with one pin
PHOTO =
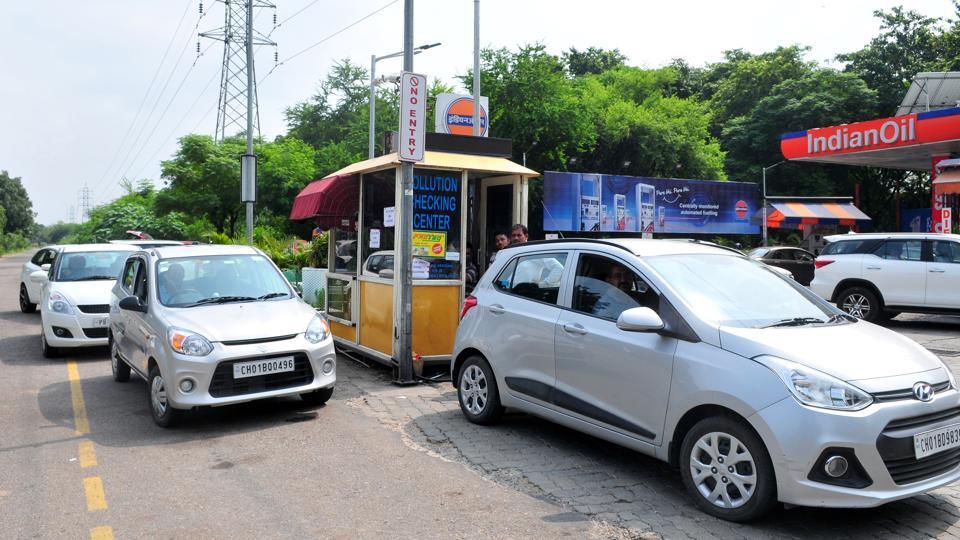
(146, 94)
(338, 32)
(301, 10)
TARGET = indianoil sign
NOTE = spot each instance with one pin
(413, 116)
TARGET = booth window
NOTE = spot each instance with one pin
(437, 246)
(339, 298)
(378, 237)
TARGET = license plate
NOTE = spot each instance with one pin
(102, 322)
(262, 367)
(936, 440)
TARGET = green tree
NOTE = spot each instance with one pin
(284, 167)
(133, 211)
(592, 61)
(16, 204)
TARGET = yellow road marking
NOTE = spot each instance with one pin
(93, 487)
(80, 421)
(101, 533)
(88, 457)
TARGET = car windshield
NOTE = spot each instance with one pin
(734, 291)
(218, 279)
(758, 253)
(90, 265)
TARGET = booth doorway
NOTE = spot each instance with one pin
(497, 212)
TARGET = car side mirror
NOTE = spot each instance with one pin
(386, 273)
(45, 267)
(38, 276)
(640, 319)
(132, 303)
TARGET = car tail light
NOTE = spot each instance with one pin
(468, 302)
(820, 263)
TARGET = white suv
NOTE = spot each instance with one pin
(876, 276)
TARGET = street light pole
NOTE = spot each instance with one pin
(371, 145)
(765, 198)
(476, 68)
(405, 374)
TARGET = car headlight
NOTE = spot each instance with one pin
(318, 329)
(58, 303)
(815, 388)
(953, 380)
(189, 343)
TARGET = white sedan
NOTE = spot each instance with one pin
(75, 304)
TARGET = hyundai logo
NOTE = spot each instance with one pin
(923, 391)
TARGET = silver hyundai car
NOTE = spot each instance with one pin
(216, 325)
(757, 389)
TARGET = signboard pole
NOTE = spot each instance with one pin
(476, 68)
(405, 373)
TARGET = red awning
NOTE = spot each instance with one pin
(329, 200)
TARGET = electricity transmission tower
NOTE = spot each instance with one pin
(86, 199)
(237, 73)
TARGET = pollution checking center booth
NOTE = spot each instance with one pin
(466, 190)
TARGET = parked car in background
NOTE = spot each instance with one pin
(30, 290)
(759, 390)
(876, 276)
(378, 261)
(145, 244)
(75, 299)
(798, 261)
(215, 325)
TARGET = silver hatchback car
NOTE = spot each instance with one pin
(757, 389)
(216, 325)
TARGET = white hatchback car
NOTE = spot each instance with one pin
(74, 305)
(30, 290)
(216, 325)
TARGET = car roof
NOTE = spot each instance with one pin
(82, 248)
(640, 247)
(148, 242)
(177, 251)
(897, 235)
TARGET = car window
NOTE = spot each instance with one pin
(203, 279)
(946, 252)
(373, 264)
(129, 274)
(802, 256)
(50, 257)
(758, 253)
(605, 288)
(900, 250)
(38, 258)
(782, 255)
(140, 282)
(842, 247)
(91, 265)
(535, 276)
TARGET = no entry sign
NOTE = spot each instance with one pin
(413, 116)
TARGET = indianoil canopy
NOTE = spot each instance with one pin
(902, 142)
(630, 204)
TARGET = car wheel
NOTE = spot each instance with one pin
(45, 348)
(317, 397)
(861, 303)
(25, 305)
(726, 469)
(163, 412)
(477, 392)
(121, 371)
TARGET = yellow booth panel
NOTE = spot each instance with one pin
(376, 317)
(343, 331)
(436, 313)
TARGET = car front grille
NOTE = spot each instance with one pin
(907, 393)
(224, 385)
(95, 308)
(895, 445)
(258, 340)
(95, 333)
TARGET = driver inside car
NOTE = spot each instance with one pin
(170, 282)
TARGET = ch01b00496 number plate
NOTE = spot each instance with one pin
(262, 367)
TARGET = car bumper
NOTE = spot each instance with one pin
(822, 289)
(797, 437)
(83, 327)
(213, 374)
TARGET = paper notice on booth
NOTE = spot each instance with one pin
(374, 238)
(421, 269)
(389, 216)
(551, 236)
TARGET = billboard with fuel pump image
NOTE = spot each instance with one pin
(631, 204)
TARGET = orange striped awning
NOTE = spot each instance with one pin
(807, 213)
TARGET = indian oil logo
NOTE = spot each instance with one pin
(741, 209)
(459, 117)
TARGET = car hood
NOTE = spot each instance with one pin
(851, 352)
(82, 293)
(244, 320)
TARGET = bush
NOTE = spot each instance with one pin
(13, 241)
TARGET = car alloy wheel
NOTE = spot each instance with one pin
(477, 391)
(25, 305)
(158, 396)
(473, 389)
(723, 470)
(857, 305)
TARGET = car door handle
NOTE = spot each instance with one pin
(937, 271)
(872, 268)
(574, 329)
(496, 309)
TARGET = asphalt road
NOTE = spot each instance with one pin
(269, 469)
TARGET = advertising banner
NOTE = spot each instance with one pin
(631, 204)
(436, 222)
(454, 114)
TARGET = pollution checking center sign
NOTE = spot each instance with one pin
(413, 116)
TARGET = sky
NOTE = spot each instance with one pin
(95, 91)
